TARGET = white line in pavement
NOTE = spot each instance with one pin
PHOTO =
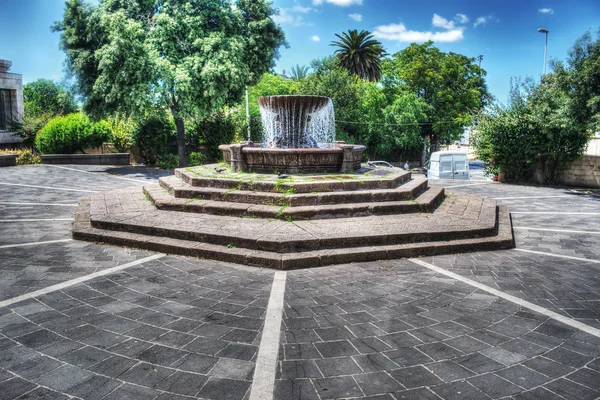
(8, 246)
(6, 203)
(559, 256)
(36, 220)
(85, 278)
(90, 172)
(48, 187)
(527, 228)
(263, 383)
(468, 184)
(523, 303)
(533, 197)
(554, 213)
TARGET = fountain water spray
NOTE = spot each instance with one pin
(293, 122)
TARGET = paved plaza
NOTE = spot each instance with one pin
(89, 321)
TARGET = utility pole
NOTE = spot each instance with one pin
(543, 30)
(247, 114)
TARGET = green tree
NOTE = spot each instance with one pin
(299, 72)
(190, 57)
(579, 79)
(360, 54)
(46, 96)
(451, 84)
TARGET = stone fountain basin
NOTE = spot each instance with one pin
(339, 158)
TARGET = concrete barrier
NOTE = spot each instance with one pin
(87, 159)
(8, 160)
(584, 172)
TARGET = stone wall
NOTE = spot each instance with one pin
(584, 172)
(13, 83)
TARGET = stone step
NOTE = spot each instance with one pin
(83, 230)
(178, 188)
(426, 201)
(297, 183)
(456, 218)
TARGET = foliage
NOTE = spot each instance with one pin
(579, 79)
(24, 156)
(47, 97)
(70, 134)
(299, 72)
(534, 137)
(167, 161)
(196, 158)
(29, 125)
(155, 136)
(123, 130)
(360, 54)
(451, 84)
(216, 129)
(192, 57)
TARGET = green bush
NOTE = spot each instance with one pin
(196, 158)
(70, 134)
(155, 137)
(26, 157)
(123, 130)
(216, 129)
(167, 161)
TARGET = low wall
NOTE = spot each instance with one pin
(87, 159)
(8, 160)
(584, 172)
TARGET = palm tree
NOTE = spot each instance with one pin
(360, 54)
(299, 72)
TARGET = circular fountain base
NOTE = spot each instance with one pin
(253, 158)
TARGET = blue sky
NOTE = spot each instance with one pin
(504, 32)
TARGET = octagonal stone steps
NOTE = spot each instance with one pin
(241, 205)
(348, 182)
(83, 229)
(406, 190)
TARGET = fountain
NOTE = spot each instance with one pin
(299, 137)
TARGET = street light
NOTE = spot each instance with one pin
(542, 30)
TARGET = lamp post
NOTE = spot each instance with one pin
(543, 30)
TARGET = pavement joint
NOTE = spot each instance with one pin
(528, 228)
(49, 187)
(10, 246)
(559, 256)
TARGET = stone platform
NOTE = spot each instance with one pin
(296, 222)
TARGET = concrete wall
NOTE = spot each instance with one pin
(584, 172)
(593, 147)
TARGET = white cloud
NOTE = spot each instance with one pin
(482, 21)
(356, 17)
(341, 3)
(546, 11)
(441, 22)
(461, 18)
(399, 33)
(302, 10)
(286, 17)
(315, 38)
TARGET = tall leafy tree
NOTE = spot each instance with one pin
(451, 84)
(190, 57)
(360, 54)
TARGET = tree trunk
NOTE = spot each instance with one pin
(181, 142)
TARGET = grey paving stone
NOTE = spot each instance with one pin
(197, 363)
(43, 393)
(479, 363)
(375, 362)
(224, 389)
(182, 383)
(571, 390)
(94, 388)
(440, 351)
(503, 356)
(338, 366)
(548, 367)
(339, 387)
(459, 391)
(34, 368)
(64, 378)
(416, 394)
(295, 389)
(449, 371)
(14, 387)
(232, 369)
(377, 383)
(494, 386)
(300, 369)
(131, 392)
(413, 377)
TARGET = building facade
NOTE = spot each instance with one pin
(11, 103)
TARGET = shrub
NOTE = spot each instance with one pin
(155, 137)
(123, 130)
(70, 134)
(216, 129)
(196, 158)
(24, 157)
(167, 161)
